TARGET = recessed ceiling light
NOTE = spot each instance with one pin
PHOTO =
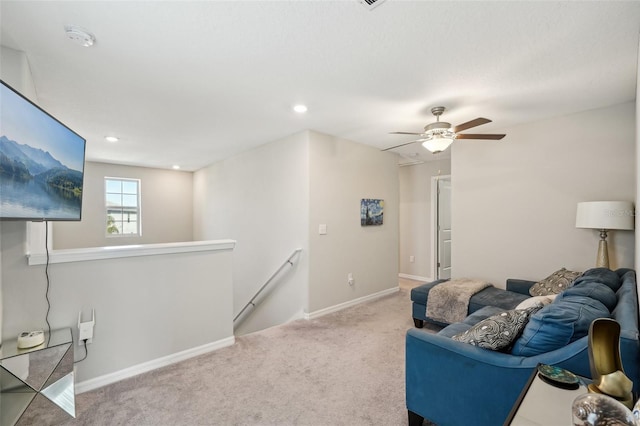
(79, 35)
(175, 167)
(111, 139)
(300, 109)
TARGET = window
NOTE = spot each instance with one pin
(122, 201)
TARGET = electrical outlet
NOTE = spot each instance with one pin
(412, 259)
(86, 328)
(350, 279)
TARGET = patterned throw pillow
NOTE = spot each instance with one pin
(499, 331)
(555, 283)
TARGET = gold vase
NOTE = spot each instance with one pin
(605, 362)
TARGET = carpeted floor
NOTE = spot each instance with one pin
(345, 368)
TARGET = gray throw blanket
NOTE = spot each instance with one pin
(448, 302)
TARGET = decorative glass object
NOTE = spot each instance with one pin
(594, 409)
(636, 411)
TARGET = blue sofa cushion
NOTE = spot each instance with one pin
(601, 275)
(592, 289)
(482, 314)
(558, 324)
(453, 329)
(492, 296)
(498, 331)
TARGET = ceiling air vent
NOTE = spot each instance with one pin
(370, 4)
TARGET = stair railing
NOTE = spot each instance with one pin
(255, 296)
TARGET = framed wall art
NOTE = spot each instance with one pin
(371, 212)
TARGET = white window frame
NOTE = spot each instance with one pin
(138, 210)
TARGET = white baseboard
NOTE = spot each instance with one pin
(107, 379)
(415, 277)
(335, 308)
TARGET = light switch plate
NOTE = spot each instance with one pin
(322, 229)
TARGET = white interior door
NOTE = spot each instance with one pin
(443, 225)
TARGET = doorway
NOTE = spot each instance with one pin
(441, 226)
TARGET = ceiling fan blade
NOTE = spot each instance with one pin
(403, 144)
(470, 124)
(404, 133)
(478, 136)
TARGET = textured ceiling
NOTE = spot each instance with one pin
(191, 83)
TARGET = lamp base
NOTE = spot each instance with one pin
(603, 253)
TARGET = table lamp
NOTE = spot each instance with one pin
(605, 216)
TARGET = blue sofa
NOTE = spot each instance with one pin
(454, 383)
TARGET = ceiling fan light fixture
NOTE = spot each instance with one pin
(438, 139)
(439, 135)
(437, 143)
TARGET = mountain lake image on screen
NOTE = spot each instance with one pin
(41, 162)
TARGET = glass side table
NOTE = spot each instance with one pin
(542, 404)
(37, 384)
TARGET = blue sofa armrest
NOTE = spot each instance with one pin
(442, 373)
(519, 286)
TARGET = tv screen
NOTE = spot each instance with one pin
(41, 162)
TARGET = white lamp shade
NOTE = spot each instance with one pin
(605, 215)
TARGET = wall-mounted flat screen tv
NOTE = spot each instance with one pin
(41, 162)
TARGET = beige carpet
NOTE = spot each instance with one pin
(345, 368)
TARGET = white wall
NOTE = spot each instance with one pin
(341, 174)
(166, 206)
(514, 202)
(272, 199)
(415, 217)
(260, 198)
(15, 71)
(146, 307)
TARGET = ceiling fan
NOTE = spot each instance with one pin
(439, 135)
